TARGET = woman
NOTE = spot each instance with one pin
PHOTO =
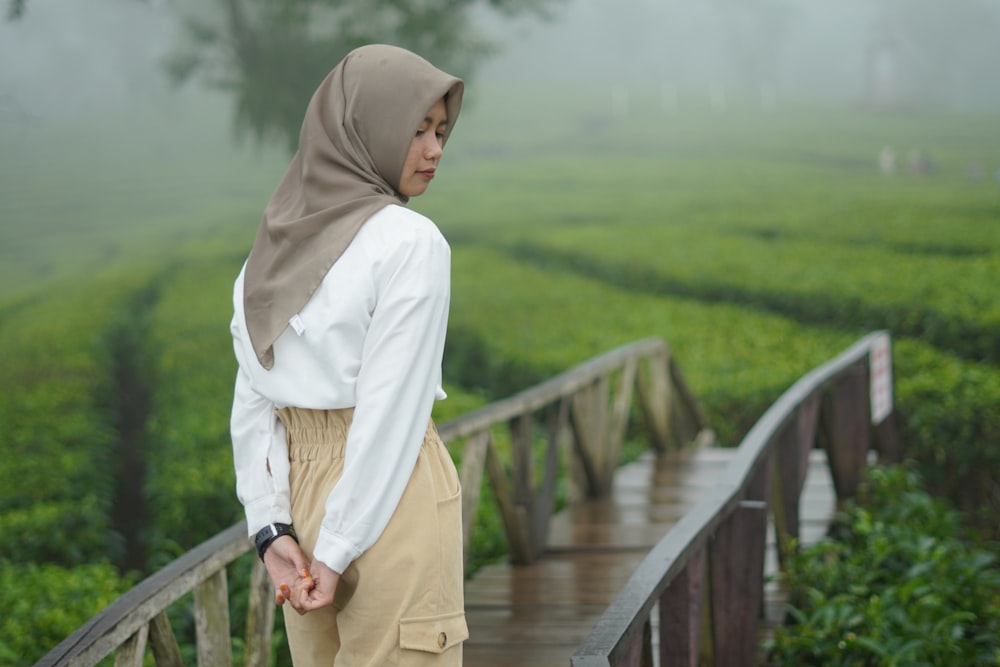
(339, 327)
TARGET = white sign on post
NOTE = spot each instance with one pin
(881, 378)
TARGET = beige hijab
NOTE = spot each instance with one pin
(354, 139)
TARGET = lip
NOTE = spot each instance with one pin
(427, 173)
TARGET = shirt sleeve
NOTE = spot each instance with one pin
(260, 454)
(396, 386)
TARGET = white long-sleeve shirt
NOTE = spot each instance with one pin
(372, 337)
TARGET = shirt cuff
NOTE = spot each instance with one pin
(264, 510)
(334, 551)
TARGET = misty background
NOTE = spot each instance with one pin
(64, 59)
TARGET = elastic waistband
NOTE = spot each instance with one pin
(316, 434)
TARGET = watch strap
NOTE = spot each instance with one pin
(269, 533)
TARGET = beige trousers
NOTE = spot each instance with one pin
(401, 603)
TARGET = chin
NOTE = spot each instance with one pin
(414, 192)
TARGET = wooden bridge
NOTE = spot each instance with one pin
(660, 562)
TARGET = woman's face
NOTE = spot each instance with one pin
(425, 152)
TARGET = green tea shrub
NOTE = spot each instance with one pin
(54, 438)
(950, 424)
(66, 533)
(43, 604)
(898, 586)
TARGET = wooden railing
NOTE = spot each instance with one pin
(584, 411)
(706, 576)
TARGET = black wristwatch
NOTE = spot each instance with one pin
(270, 533)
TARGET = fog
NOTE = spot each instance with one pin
(67, 57)
(939, 52)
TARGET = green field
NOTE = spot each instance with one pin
(758, 244)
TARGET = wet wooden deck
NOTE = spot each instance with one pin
(537, 615)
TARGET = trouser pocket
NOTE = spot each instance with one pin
(432, 640)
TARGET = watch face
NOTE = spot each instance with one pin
(264, 533)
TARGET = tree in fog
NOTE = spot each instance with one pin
(15, 9)
(271, 54)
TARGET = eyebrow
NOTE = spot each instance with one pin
(429, 120)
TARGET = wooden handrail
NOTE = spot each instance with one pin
(139, 613)
(584, 410)
(586, 407)
(710, 564)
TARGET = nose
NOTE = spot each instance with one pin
(433, 150)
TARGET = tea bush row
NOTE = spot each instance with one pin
(190, 485)
(519, 323)
(947, 301)
(58, 441)
(514, 324)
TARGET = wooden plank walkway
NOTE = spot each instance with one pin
(537, 615)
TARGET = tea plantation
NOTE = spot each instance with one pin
(757, 243)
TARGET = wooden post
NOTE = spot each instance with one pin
(654, 397)
(556, 423)
(166, 652)
(736, 565)
(846, 420)
(688, 419)
(260, 617)
(473, 462)
(589, 410)
(211, 617)
(618, 421)
(796, 440)
(635, 651)
(130, 653)
(680, 615)
(599, 406)
(520, 546)
(522, 440)
(646, 657)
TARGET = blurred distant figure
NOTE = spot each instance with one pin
(882, 62)
(887, 161)
(919, 162)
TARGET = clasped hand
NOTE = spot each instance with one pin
(306, 586)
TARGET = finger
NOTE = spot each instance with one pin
(279, 599)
